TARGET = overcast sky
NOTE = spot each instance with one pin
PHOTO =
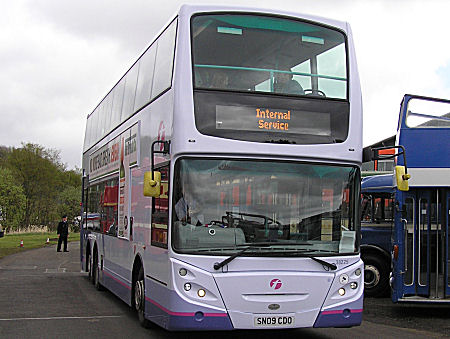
(58, 58)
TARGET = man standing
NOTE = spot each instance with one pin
(63, 233)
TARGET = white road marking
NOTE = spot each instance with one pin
(63, 318)
(18, 267)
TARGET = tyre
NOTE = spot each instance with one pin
(96, 274)
(139, 299)
(91, 269)
(376, 276)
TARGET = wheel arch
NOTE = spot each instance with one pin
(377, 251)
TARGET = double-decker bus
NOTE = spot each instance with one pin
(405, 230)
(234, 144)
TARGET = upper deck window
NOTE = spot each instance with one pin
(256, 53)
(428, 114)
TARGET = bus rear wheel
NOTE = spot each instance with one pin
(139, 299)
(96, 274)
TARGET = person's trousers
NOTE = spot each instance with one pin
(60, 240)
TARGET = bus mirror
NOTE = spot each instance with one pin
(152, 187)
(402, 178)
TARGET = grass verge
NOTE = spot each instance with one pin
(10, 243)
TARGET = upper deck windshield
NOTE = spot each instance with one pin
(255, 53)
(221, 206)
(269, 79)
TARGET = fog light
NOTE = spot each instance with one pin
(182, 272)
(201, 293)
(358, 272)
(353, 285)
(341, 291)
(187, 287)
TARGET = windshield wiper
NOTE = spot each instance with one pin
(219, 265)
(330, 266)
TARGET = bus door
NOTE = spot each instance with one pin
(425, 244)
(446, 243)
(160, 211)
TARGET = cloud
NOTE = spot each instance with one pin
(58, 59)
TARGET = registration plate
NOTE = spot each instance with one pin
(274, 320)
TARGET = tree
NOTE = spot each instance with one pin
(12, 200)
(38, 171)
(69, 202)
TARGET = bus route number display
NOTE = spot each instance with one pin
(265, 119)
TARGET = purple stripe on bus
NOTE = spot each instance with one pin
(117, 280)
(184, 314)
(340, 311)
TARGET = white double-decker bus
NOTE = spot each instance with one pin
(222, 175)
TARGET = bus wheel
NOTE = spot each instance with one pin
(376, 276)
(139, 299)
(88, 266)
(91, 268)
(96, 274)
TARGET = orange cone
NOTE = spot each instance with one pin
(21, 243)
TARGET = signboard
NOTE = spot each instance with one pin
(265, 119)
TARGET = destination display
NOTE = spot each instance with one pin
(265, 119)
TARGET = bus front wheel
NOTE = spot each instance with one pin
(139, 299)
(376, 276)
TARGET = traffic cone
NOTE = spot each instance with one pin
(48, 241)
(21, 243)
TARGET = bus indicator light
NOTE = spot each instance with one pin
(395, 252)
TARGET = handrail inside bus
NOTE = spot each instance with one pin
(272, 71)
(434, 117)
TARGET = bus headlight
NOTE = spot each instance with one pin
(182, 272)
(358, 272)
(187, 287)
(353, 285)
(201, 293)
(341, 291)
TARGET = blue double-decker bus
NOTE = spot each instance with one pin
(405, 230)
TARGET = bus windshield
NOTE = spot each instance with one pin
(255, 53)
(219, 206)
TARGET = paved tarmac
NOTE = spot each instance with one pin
(43, 294)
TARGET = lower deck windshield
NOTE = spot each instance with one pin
(222, 206)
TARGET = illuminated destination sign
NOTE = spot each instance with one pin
(264, 119)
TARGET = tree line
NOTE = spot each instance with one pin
(36, 188)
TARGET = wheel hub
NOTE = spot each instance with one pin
(371, 276)
(138, 294)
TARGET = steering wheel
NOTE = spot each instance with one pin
(315, 92)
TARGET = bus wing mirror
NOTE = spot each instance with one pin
(152, 186)
(402, 178)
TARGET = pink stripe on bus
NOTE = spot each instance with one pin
(342, 311)
(117, 280)
(184, 314)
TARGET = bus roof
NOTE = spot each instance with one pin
(378, 183)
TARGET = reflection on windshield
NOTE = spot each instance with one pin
(220, 205)
(268, 54)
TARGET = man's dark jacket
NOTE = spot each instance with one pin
(63, 228)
